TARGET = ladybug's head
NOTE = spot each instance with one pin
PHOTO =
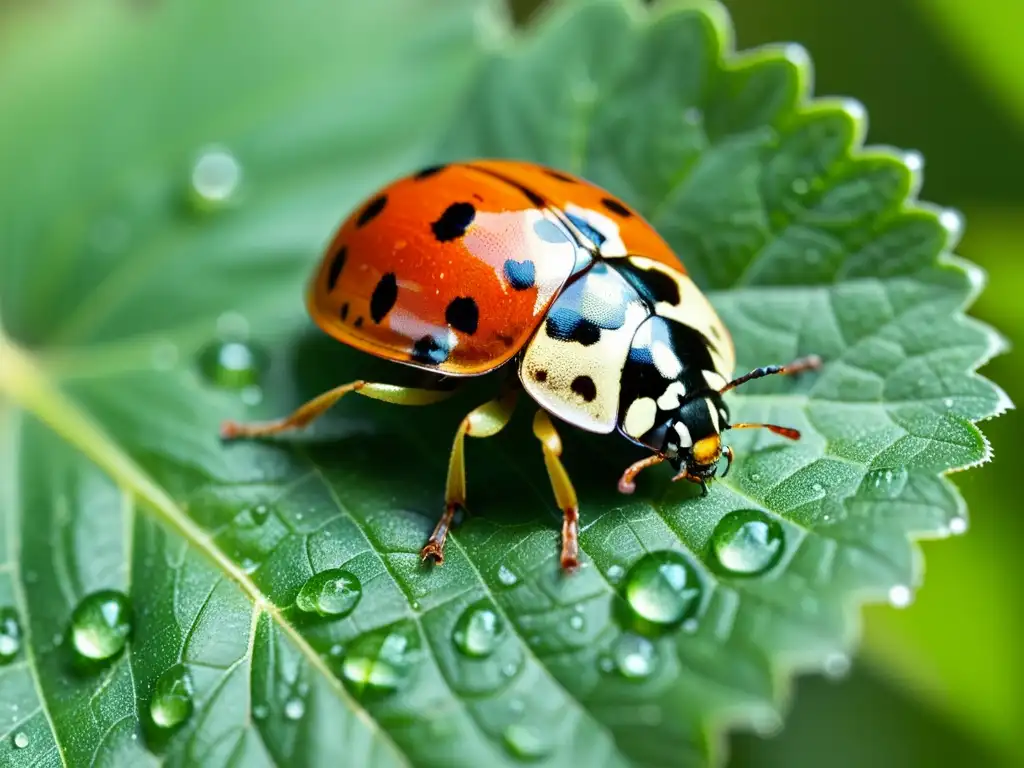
(692, 441)
(693, 438)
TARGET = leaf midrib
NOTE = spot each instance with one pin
(30, 388)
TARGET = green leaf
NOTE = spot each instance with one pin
(139, 313)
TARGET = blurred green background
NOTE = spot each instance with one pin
(938, 683)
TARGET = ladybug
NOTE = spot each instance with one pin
(461, 269)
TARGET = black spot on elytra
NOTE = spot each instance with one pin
(520, 274)
(372, 209)
(463, 315)
(359, 322)
(430, 351)
(337, 264)
(344, 311)
(549, 232)
(426, 173)
(560, 176)
(652, 285)
(616, 207)
(566, 325)
(454, 222)
(584, 387)
(540, 375)
(384, 297)
(587, 230)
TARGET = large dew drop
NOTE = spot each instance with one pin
(171, 704)
(100, 625)
(662, 590)
(380, 663)
(747, 542)
(10, 635)
(334, 592)
(478, 630)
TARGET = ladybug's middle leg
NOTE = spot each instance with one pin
(565, 494)
(487, 420)
(315, 408)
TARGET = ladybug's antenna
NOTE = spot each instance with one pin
(792, 434)
(810, 363)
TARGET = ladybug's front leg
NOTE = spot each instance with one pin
(487, 420)
(565, 494)
(315, 408)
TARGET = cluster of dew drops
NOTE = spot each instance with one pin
(662, 591)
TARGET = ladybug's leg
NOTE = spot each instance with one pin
(487, 420)
(565, 494)
(315, 408)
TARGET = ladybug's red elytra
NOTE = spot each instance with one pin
(460, 269)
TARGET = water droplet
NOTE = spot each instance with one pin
(817, 488)
(577, 622)
(216, 176)
(478, 630)
(886, 483)
(953, 222)
(525, 742)
(615, 573)
(948, 402)
(800, 186)
(100, 625)
(252, 395)
(232, 364)
(334, 592)
(837, 665)
(20, 740)
(634, 656)
(606, 664)
(914, 160)
(662, 590)
(747, 542)
(380, 663)
(260, 711)
(294, 708)
(507, 577)
(756, 477)
(171, 704)
(958, 525)
(900, 596)
(10, 635)
(249, 565)
(510, 669)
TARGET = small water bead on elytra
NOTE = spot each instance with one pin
(747, 542)
(525, 742)
(662, 590)
(21, 740)
(171, 704)
(380, 663)
(334, 593)
(478, 630)
(233, 364)
(100, 625)
(214, 181)
(634, 657)
(10, 635)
